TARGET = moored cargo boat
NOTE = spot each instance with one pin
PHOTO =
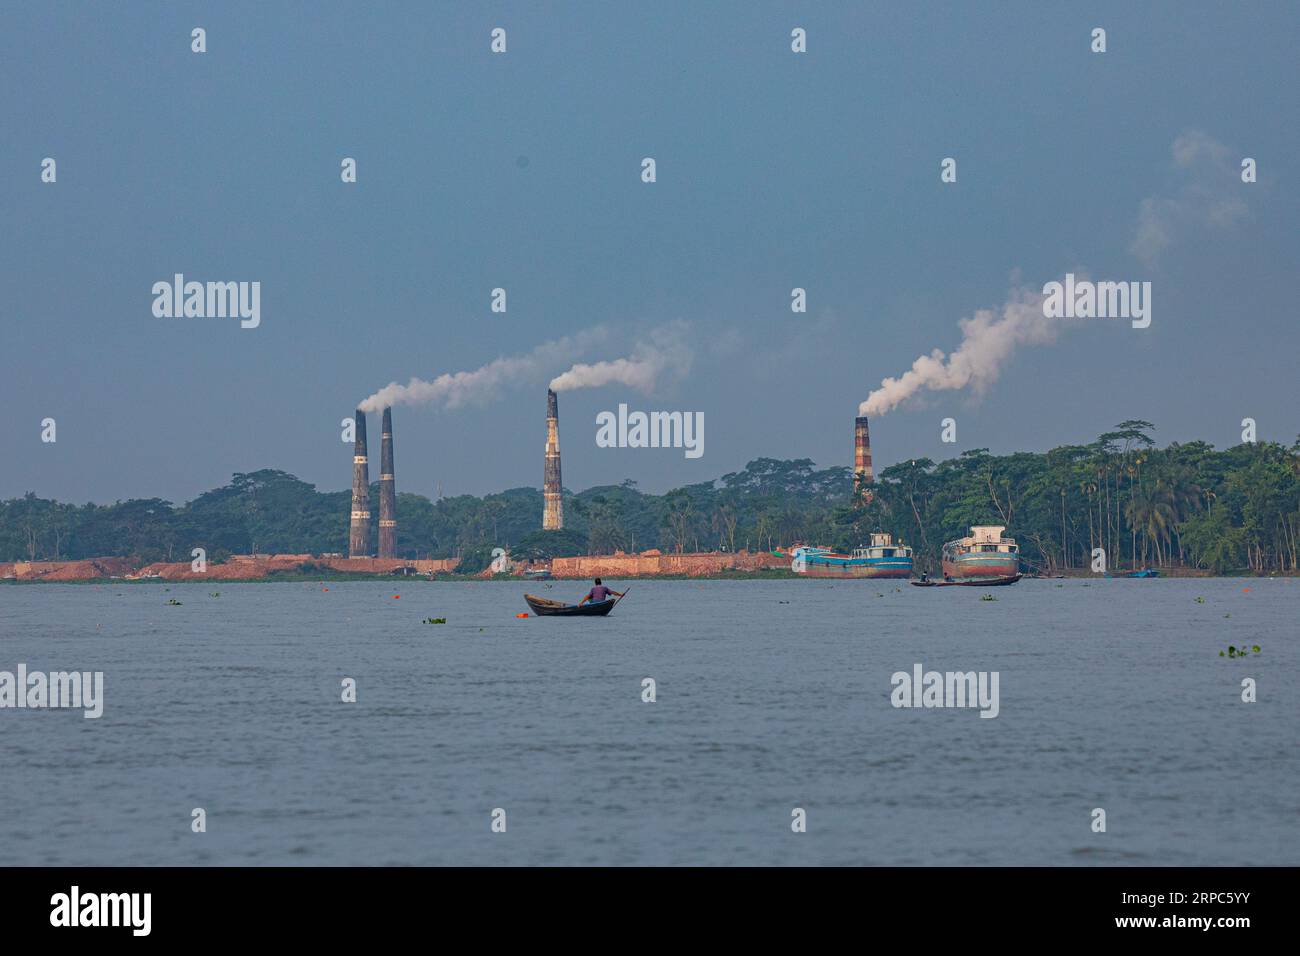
(882, 558)
(986, 553)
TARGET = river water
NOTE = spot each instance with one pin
(770, 696)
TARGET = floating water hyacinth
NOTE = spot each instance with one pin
(1234, 651)
(435, 620)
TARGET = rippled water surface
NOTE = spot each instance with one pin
(771, 696)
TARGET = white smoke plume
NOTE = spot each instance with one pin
(453, 389)
(988, 339)
(1209, 197)
(664, 352)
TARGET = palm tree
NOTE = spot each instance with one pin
(1088, 487)
(1182, 493)
(1152, 513)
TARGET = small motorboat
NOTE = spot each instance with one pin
(1144, 573)
(968, 582)
(543, 607)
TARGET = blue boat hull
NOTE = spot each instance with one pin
(831, 566)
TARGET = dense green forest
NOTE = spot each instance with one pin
(1185, 504)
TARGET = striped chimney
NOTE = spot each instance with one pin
(359, 531)
(862, 474)
(387, 491)
(552, 489)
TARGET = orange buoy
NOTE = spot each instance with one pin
(396, 596)
(324, 589)
(1245, 590)
(521, 615)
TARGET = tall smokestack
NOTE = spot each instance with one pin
(553, 509)
(862, 474)
(387, 491)
(359, 533)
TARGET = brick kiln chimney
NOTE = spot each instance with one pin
(553, 508)
(359, 531)
(862, 474)
(387, 491)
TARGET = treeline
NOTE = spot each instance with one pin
(1185, 504)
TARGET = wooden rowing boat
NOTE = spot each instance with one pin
(543, 607)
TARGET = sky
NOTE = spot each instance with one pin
(522, 170)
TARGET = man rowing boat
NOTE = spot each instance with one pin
(598, 593)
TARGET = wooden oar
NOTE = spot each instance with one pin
(620, 597)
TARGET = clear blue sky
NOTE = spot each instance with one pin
(521, 170)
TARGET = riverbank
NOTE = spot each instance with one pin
(306, 567)
(240, 567)
(775, 574)
(250, 569)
